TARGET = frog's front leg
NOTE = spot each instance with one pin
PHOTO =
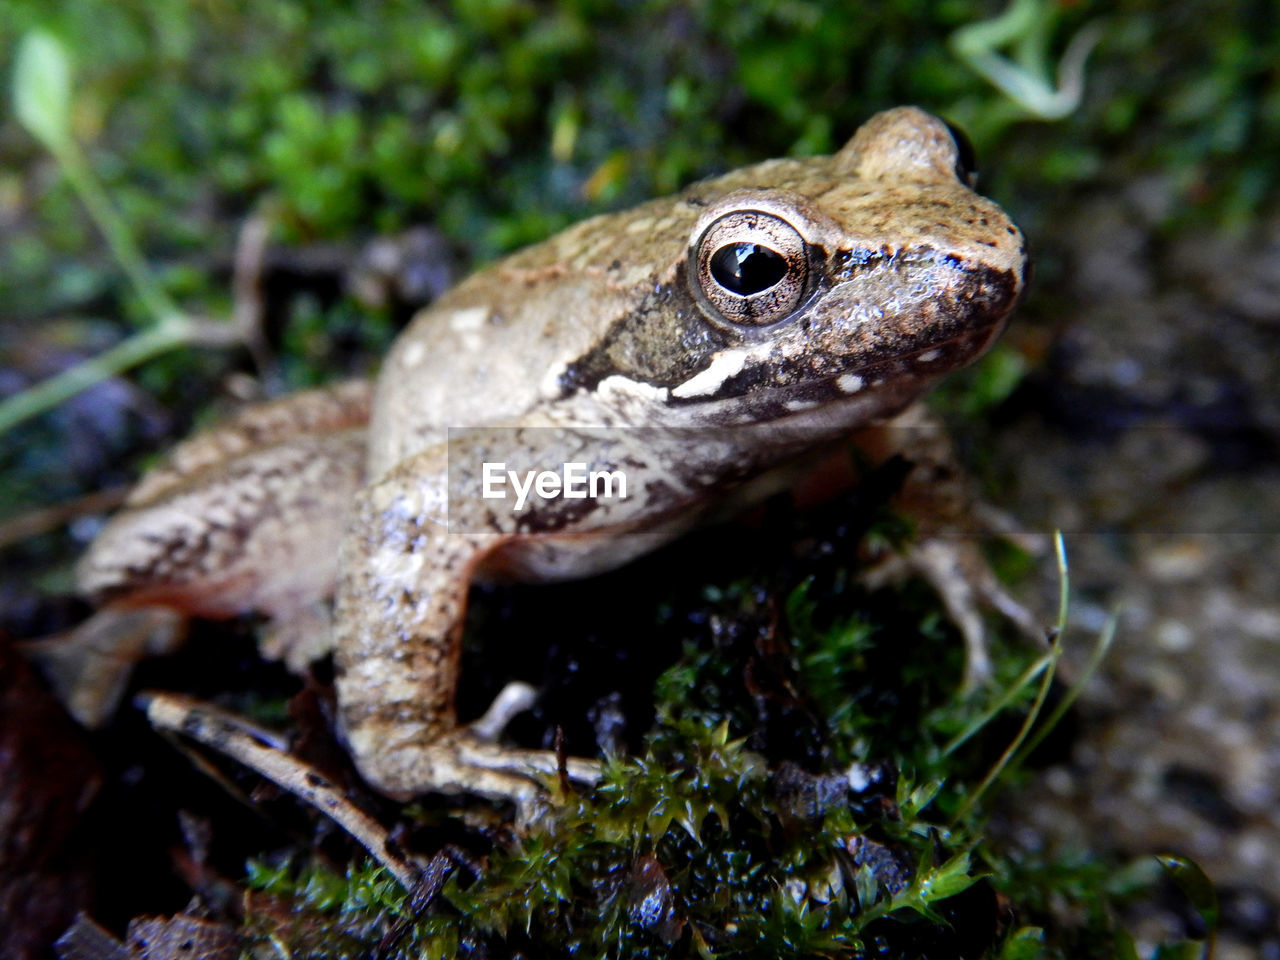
(937, 493)
(401, 604)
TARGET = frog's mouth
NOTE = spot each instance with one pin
(879, 387)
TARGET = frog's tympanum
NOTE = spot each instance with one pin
(701, 344)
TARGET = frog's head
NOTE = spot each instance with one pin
(848, 283)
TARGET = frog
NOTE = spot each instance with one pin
(703, 346)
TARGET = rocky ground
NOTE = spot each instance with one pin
(1151, 440)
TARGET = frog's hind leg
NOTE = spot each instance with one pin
(401, 603)
(245, 517)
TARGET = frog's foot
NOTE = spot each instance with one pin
(89, 666)
(516, 697)
(460, 762)
(964, 581)
(953, 523)
(469, 760)
(957, 570)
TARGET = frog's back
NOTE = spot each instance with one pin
(483, 353)
(493, 349)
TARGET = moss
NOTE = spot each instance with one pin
(741, 831)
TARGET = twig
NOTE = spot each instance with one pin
(32, 523)
(248, 308)
(234, 738)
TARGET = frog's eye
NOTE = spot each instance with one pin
(966, 156)
(752, 267)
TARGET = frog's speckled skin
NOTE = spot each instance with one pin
(903, 274)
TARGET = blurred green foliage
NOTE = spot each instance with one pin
(358, 117)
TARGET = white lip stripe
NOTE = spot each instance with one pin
(723, 366)
(471, 318)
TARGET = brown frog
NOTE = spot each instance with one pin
(696, 346)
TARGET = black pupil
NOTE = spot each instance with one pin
(747, 268)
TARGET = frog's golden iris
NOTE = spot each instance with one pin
(751, 267)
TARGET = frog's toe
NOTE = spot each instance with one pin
(533, 765)
(958, 571)
(513, 699)
(949, 569)
(458, 762)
